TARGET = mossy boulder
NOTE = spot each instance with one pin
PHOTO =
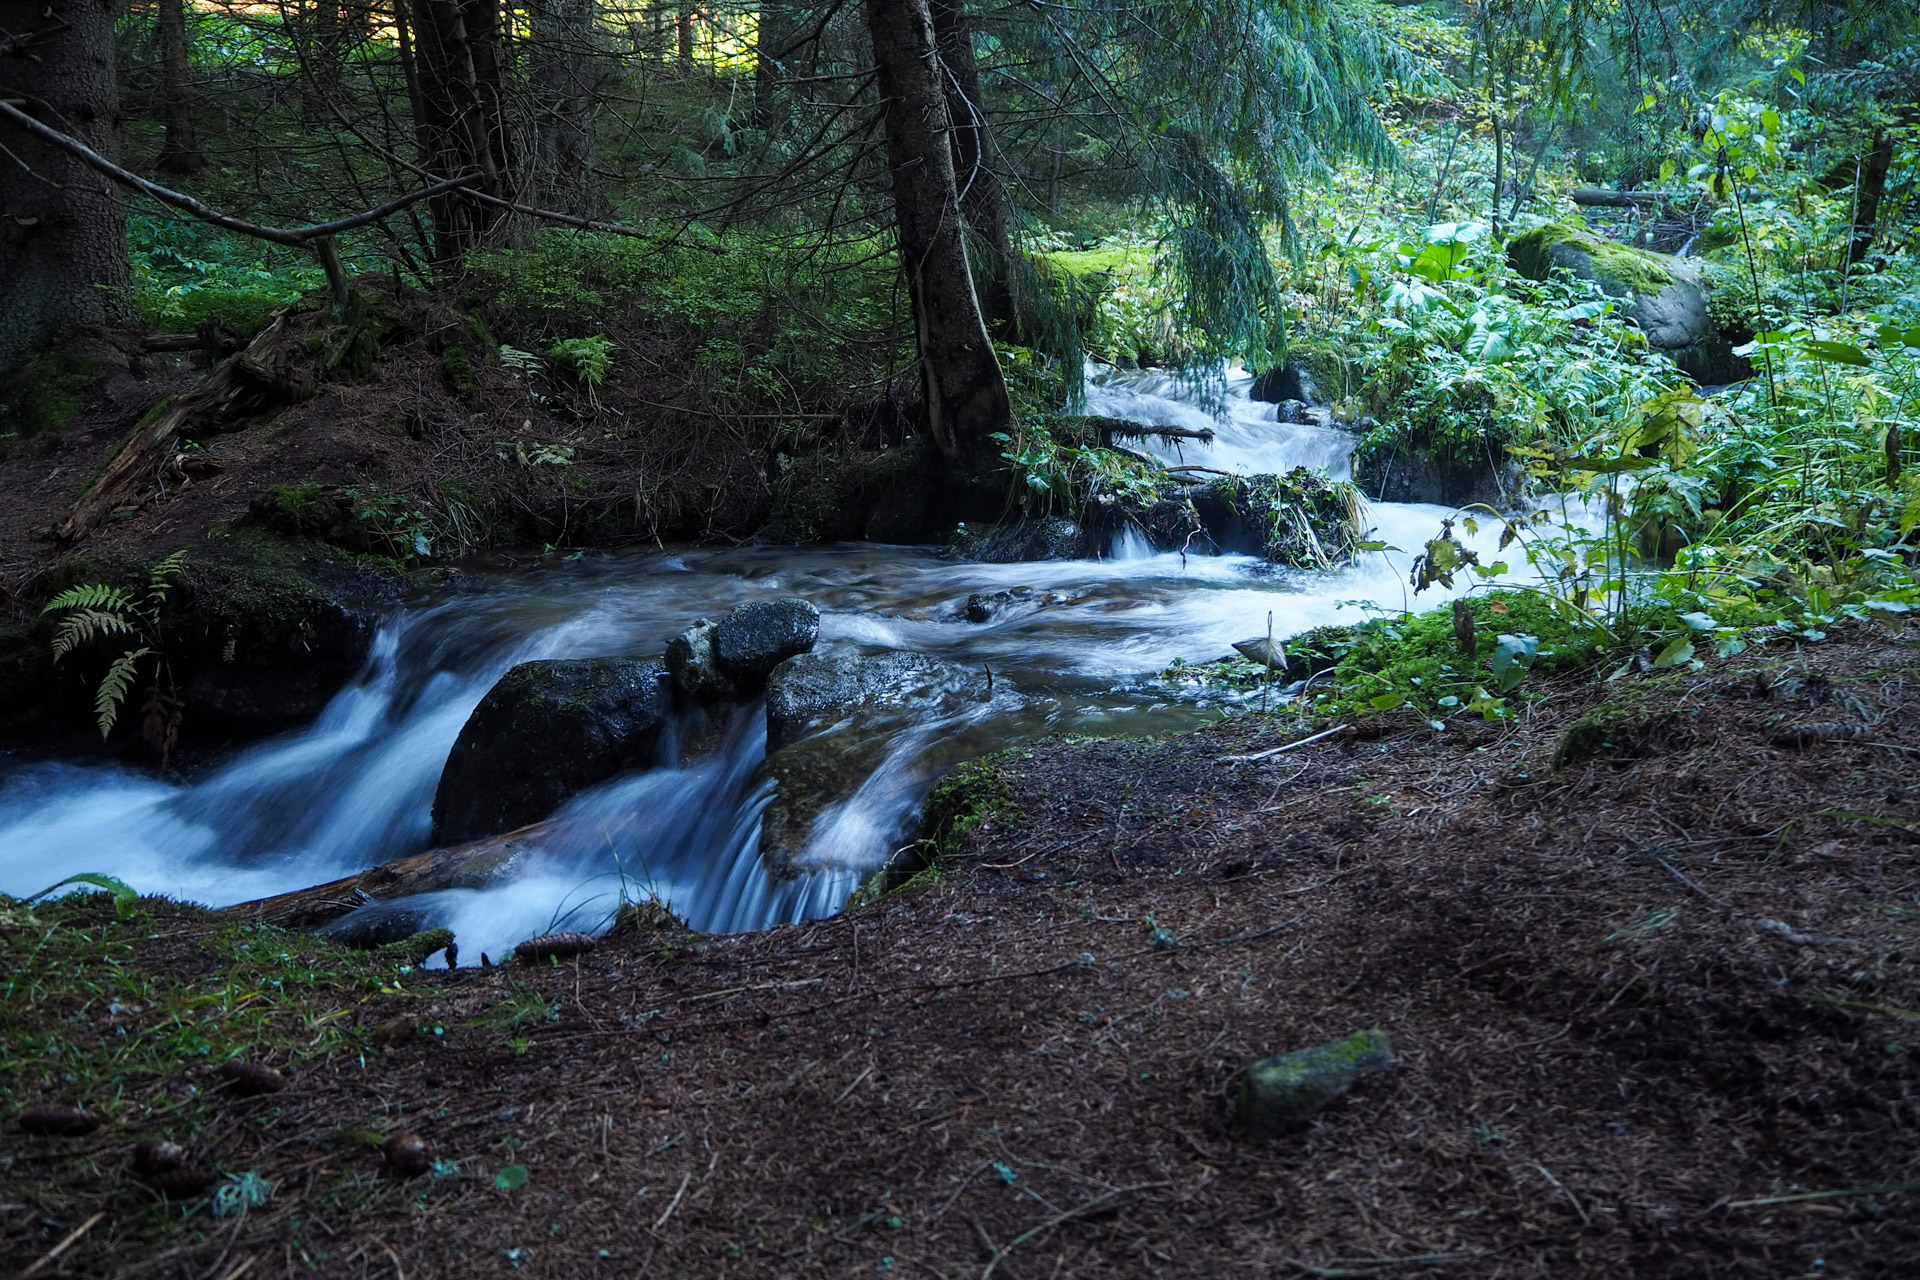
(1667, 297)
(1301, 519)
(545, 732)
(1280, 1094)
(1016, 541)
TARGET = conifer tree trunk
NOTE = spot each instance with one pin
(180, 153)
(683, 23)
(456, 67)
(63, 253)
(966, 390)
(982, 198)
(1872, 190)
(775, 31)
(560, 69)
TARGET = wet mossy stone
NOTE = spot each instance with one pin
(755, 638)
(1301, 519)
(545, 732)
(1280, 1094)
(1667, 297)
(1018, 541)
(1290, 381)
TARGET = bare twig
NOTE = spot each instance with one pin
(64, 1245)
(1274, 751)
(674, 1203)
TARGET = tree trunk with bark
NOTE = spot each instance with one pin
(455, 71)
(63, 253)
(966, 391)
(560, 69)
(180, 152)
(776, 31)
(982, 197)
(683, 23)
(1872, 190)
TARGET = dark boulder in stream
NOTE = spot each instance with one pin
(810, 693)
(546, 731)
(755, 638)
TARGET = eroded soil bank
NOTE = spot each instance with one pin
(1650, 1005)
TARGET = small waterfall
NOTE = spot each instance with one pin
(1130, 544)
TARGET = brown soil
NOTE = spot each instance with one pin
(491, 457)
(1647, 1006)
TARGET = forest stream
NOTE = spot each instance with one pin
(1077, 650)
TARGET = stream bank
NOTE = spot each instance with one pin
(1650, 1008)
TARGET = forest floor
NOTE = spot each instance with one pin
(1648, 957)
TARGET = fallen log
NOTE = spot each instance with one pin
(1604, 198)
(473, 865)
(258, 377)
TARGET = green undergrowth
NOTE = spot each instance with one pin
(126, 1008)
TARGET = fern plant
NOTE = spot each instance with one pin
(95, 611)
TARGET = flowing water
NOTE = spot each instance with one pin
(1079, 650)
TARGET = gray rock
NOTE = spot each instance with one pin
(811, 692)
(690, 660)
(1048, 538)
(755, 638)
(985, 606)
(1290, 411)
(1291, 381)
(1282, 1093)
(546, 731)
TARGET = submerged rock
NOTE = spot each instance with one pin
(546, 731)
(755, 638)
(882, 696)
(810, 693)
(1282, 1093)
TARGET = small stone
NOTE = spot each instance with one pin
(1282, 1093)
(407, 1154)
(395, 1031)
(691, 664)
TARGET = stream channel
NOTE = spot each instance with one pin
(1081, 654)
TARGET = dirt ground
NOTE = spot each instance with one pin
(1656, 1013)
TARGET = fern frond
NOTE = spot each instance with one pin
(165, 574)
(113, 688)
(91, 595)
(82, 625)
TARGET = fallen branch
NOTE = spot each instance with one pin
(1098, 1202)
(1889, 1189)
(1274, 751)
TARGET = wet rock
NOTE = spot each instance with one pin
(1301, 519)
(755, 638)
(1291, 381)
(985, 606)
(871, 699)
(377, 924)
(546, 731)
(1294, 411)
(810, 693)
(1665, 296)
(1413, 470)
(1282, 1093)
(1047, 538)
(690, 660)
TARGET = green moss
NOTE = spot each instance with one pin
(298, 509)
(1536, 253)
(1636, 721)
(241, 312)
(44, 391)
(1302, 518)
(1119, 260)
(958, 803)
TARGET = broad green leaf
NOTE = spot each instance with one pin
(1512, 658)
(1699, 621)
(1836, 352)
(1387, 701)
(1678, 651)
(511, 1178)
